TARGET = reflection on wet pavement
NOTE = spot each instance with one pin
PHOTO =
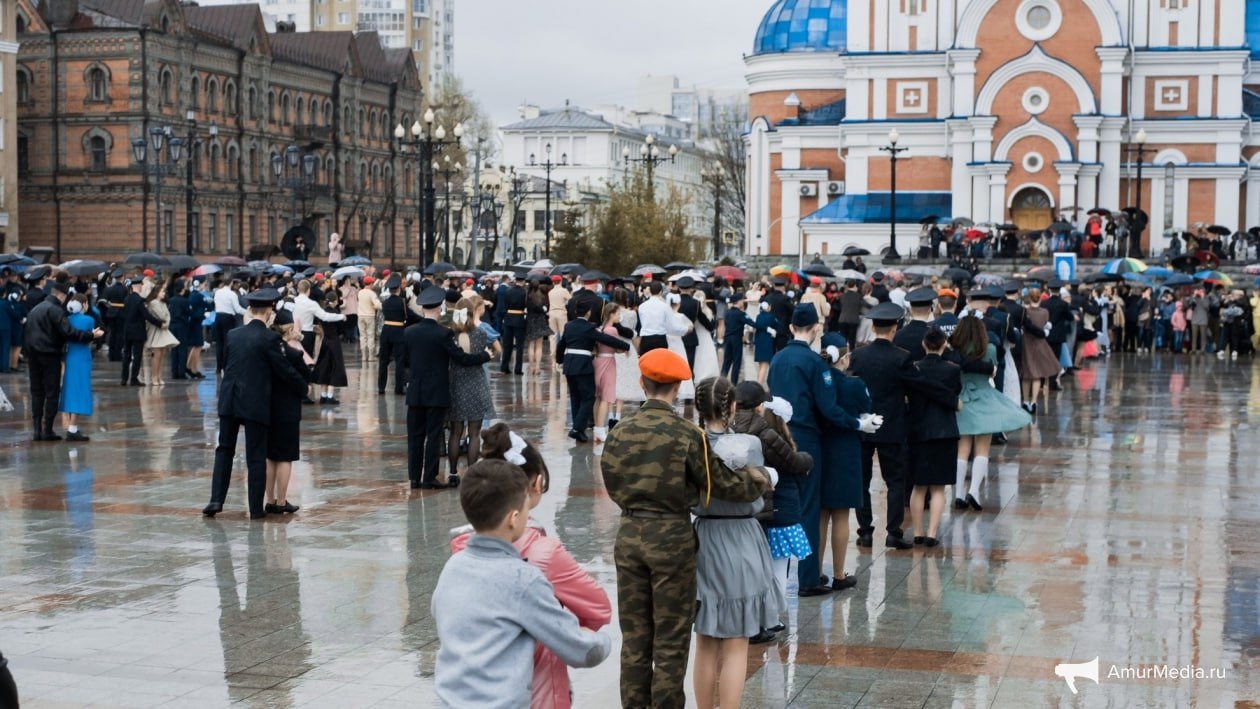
(1124, 526)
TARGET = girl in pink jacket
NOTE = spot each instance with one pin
(1178, 325)
(575, 589)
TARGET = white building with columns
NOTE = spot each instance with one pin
(1009, 111)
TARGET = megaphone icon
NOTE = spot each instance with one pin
(1070, 671)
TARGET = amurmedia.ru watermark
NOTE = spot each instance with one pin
(1072, 671)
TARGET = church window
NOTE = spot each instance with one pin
(96, 146)
(1033, 162)
(1038, 20)
(23, 87)
(1036, 100)
(98, 84)
(1038, 17)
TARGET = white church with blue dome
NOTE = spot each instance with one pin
(1010, 111)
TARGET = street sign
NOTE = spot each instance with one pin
(1065, 266)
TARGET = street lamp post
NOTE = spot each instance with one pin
(158, 136)
(1134, 247)
(716, 177)
(893, 151)
(520, 188)
(448, 170)
(425, 144)
(295, 171)
(192, 141)
(650, 156)
(548, 166)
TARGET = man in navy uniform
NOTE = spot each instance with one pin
(888, 372)
(690, 307)
(430, 349)
(910, 336)
(395, 316)
(514, 304)
(254, 363)
(733, 323)
(781, 309)
(114, 295)
(799, 375)
(575, 351)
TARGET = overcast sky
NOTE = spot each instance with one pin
(509, 52)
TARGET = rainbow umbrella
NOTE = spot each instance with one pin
(1214, 277)
(1123, 265)
(780, 270)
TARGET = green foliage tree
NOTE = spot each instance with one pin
(571, 243)
(637, 224)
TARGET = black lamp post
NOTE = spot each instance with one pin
(1137, 220)
(650, 156)
(425, 145)
(715, 176)
(893, 151)
(192, 141)
(548, 166)
(448, 170)
(158, 136)
(295, 171)
(520, 188)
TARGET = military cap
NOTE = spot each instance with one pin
(116, 273)
(393, 282)
(5, 269)
(779, 281)
(979, 293)
(664, 366)
(432, 297)
(877, 276)
(833, 339)
(263, 298)
(737, 297)
(62, 288)
(1055, 284)
(37, 273)
(1012, 287)
(886, 314)
(921, 296)
(805, 315)
(284, 316)
(686, 282)
(994, 292)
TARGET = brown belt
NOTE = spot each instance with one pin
(644, 514)
(395, 323)
(112, 304)
(516, 312)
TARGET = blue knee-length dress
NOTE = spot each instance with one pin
(76, 380)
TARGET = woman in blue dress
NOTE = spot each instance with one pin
(198, 304)
(76, 381)
(841, 464)
(763, 341)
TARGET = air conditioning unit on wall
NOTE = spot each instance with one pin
(809, 190)
(835, 188)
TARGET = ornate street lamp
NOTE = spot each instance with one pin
(425, 145)
(548, 166)
(893, 151)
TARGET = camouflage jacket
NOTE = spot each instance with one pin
(657, 461)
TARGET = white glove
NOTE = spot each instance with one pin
(772, 332)
(1047, 329)
(870, 423)
(774, 476)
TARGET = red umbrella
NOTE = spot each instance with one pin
(730, 273)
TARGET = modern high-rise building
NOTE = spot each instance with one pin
(9, 89)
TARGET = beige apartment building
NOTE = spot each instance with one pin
(8, 129)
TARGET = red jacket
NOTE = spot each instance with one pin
(575, 589)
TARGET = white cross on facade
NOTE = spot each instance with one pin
(1172, 95)
(912, 97)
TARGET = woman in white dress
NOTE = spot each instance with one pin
(707, 364)
(687, 389)
(628, 386)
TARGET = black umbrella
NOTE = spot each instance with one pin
(145, 258)
(856, 251)
(82, 269)
(929, 219)
(963, 221)
(595, 276)
(13, 258)
(182, 262)
(1186, 262)
(568, 269)
(1008, 227)
(1179, 279)
(819, 269)
(1218, 230)
(288, 244)
(298, 264)
(1254, 231)
(1100, 210)
(957, 275)
(438, 267)
(678, 266)
(1104, 278)
(1061, 226)
(1043, 274)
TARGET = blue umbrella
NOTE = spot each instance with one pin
(1180, 279)
(1158, 272)
(356, 261)
(1138, 278)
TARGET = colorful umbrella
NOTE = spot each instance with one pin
(1214, 277)
(780, 270)
(1252, 269)
(1124, 265)
(989, 279)
(208, 269)
(1178, 280)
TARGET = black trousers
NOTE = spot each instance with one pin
(732, 359)
(179, 361)
(647, 343)
(513, 342)
(397, 352)
(892, 465)
(689, 346)
(114, 337)
(849, 331)
(132, 360)
(581, 399)
(44, 371)
(424, 442)
(8, 689)
(255, 460)
(223, 324)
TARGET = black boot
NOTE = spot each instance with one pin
(39, 430)
(49, 434)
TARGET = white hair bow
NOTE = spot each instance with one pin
(74, 306)
(514, 454)
(833, 353)
(459, 316)
(765, 307)
(780, 407)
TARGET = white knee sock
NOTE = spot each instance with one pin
(979, 471)
(780, 567)
(960, 479)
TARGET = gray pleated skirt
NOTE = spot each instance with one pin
(734, 580)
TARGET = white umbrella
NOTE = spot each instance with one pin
(347, 271)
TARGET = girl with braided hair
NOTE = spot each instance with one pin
(735, 587)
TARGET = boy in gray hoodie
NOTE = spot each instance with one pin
(491, 606)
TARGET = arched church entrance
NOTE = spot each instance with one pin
(1031, 209)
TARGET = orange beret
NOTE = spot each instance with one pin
(368, 280)
(319, 276)
(946, 293)
(664, 366)
(384, 272)
(148, 272)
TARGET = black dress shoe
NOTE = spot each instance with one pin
(973, 503)
(452, 481)
(39, 435)
(824, 580)
(380, 392)
(815, 591)
(415, 484)
(843, 583)
(918, 540)
(212, 509)
(762, 637)
(260, 515)
(136, 383)
(960, 504)
(51, 435)
(931, 542)
(306, 401)
(329, 401)
(578, 436)
(271, 508)
(866, 540)
(287, 508)
(895, 542)
(430, 486)
(76, 436)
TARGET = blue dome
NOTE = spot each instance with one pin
(1252, 25)
(803, 26)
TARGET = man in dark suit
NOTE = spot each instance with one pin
(689, 306)
(575, 351)
(430, 349)
(114, 295)
(395, 317)
(781, 309)
(254, 364)
(134, 315)
(580, 303)
(879, 291)
(1061, 319)
(910, 336)
(514, 305)
(887, 372)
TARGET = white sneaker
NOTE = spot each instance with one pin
(1233, 355)
(1220, 355)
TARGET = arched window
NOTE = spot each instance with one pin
(386, 130)
(212, 95)
(23, 86)
(271, 106)
(23, 155)
(360, 128)
(345, 120)
(233, 164)
(316, 115)
(252, 105)
(371, 128)
(21, 23)
(194, 92)
(284, 109)
(165, 93)
(268, 169)
(98, 84)
(328, 113)
(229, 97)
(299, 114)
(215, 154)
(97, 148)
(330, 171)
